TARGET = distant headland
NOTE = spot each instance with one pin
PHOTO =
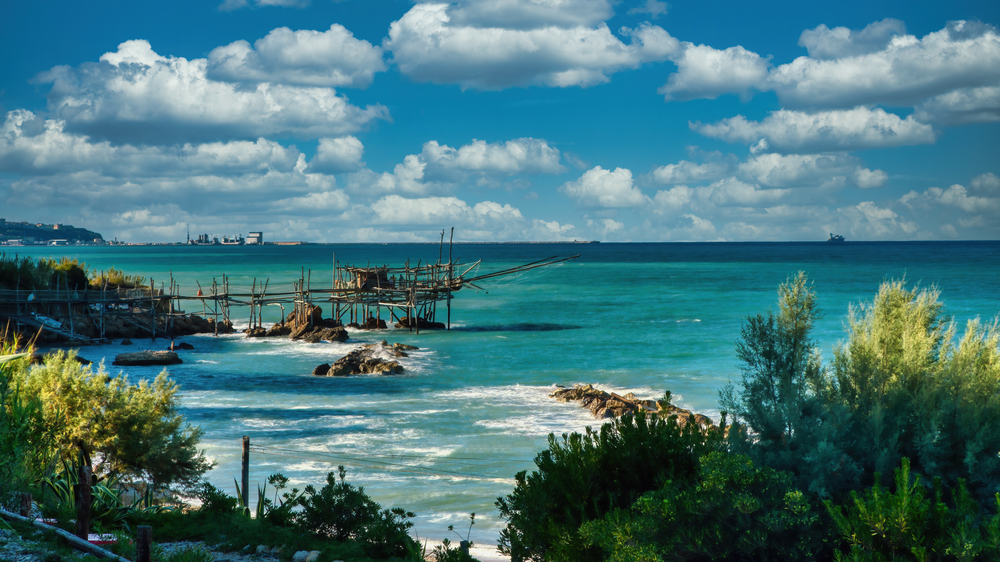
(40, 234)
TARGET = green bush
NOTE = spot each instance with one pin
(907, 525)
(342, 512)
(25, 273)
(580, 478)
(900, 386)
(732, 511)
(135, 428)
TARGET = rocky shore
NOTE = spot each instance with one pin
(610, 405)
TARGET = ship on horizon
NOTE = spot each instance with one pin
(835, 238)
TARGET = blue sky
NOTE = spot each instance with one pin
(385, 120)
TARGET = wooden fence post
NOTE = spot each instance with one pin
(144, 543)
(25, 504)
(83, 495)
(246, 471)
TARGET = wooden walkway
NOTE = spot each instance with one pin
(407, 294)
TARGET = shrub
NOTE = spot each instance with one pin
(900, 387)
(342, 512)
(731, 511)
(135, 427)
(582, 477)
(907, 525)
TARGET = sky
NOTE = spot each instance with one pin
(510, 120)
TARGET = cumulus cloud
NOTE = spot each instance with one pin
(655, 8)
(32, 146)
(230, 5)
(960, 107)
(439, 167)
(598, 187)
(825, 43)
(808, 170)
(686, 171)
(986, 183)
(705, 72)
(304, 57)
(905, 72)
(517, 156)
(529, 14)
(136, 95)
(789, 131)
(341, 154)
(428, 46)
(397, 210)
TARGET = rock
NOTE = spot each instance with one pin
(610, 405)
(82, 361)
(423, 323)
(184, 345)
(313, 556)
(279, 329)
(300, 556)
(354, 325)
(263, 550)
(319, 334)
(126, 341)
(374, 324)
(368, 359)
(142, 358)
(257, 332)
(402, 346)
(321, 370)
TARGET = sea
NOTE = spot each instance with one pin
(445, 438)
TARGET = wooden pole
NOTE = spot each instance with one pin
(83, 498)
(144, 543)
(451, 242)
(25, 504)
(246, 471)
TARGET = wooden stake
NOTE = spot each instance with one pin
(144, 543)
(246, 471)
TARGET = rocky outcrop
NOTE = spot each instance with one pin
(374, 324)
(144, 358)
(422, 323)
(308, 325)
(375, 358)
(610, 405)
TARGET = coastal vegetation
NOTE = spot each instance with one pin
(889, 452)
(798, 474)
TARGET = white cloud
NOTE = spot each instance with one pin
(789, 131)
(304, 57)
(136, 95)
(686, 171)
(825, 43)
(230, 5)
(865, 178)
(428, 47)
(906, 71)
(807, 170)
(655, 8)
(705, 72)
(960, 107)
(517, 156)
(956, 196)
(985, 183)
(598, 187)
(529, 14)
(397, 210)
(33, 147)
(341, 154)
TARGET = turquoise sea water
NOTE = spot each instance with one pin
(446, 438)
